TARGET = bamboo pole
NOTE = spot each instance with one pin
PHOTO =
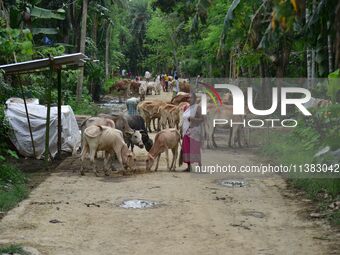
(59, 112)
(48, 110)
(27, 116)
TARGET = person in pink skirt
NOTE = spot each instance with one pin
(191, 144)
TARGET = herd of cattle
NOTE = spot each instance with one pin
(117, 134)
(141, 88)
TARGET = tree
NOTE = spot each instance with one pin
(82, 49)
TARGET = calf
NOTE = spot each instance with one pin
(109, 140)
(164, 140)
(137, 122)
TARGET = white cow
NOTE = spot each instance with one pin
(109, 140)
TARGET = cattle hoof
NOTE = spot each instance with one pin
(82, 173)
(107, 174)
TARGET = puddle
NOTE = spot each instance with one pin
(232, 183)
(138, 204)
(112, 106)
(254, 214)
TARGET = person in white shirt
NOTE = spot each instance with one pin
(147, 76)
(176, 87)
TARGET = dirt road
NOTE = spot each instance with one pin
(72, 214)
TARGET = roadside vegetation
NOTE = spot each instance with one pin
(314, 141)
(13, 249)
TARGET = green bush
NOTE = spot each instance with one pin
(85, 106)
(13, 249)
(320, 129)
(12, 186)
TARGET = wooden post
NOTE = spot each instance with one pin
(28, 118)
(59, 112)
(48, 98)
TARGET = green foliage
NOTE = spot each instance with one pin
(15, 43)
(334, 86)
(320, 129)
(12, 186)
(85, 106)
(284, 149)
(13, 249)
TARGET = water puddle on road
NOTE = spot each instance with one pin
(255, 214)
(138, 204)
(232, 183)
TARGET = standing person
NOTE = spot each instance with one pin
(147, 76)
(166, 79)
(176, 88)
(191, 144)
(163, 82)
(123, 73)
(131, 105)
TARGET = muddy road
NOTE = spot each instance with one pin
(72, 214)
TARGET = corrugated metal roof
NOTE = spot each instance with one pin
(69, 59)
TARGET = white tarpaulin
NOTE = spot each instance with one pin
(21, 138)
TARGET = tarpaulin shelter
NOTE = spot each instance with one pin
(54, 64)
(20, 136)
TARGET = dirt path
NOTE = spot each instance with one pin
(196, 215)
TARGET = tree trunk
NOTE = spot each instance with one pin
(82, 49)
(107, 51)
(95, 86)
(337, 43)
(330, 53)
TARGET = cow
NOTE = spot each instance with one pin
(150, 86)
(120, 86)
(166, 116)
(100, 121)
(227, 99)
(158, 86)
(224, 112)
(130, 135)
(137, 123)
(317, 103)
(184, 86)
(134, 88)
(164, 140)
(109, 140)
(149, 110)
(180, 98)
(142, 90)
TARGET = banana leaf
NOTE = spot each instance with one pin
(47, 14)
(45, 31)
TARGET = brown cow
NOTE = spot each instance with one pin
(180, 98)
(164, 140)
(149, 110)
(224, 112)
(166, 115)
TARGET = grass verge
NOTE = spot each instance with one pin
(11, 249)
(13, 187)
(285, 149)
